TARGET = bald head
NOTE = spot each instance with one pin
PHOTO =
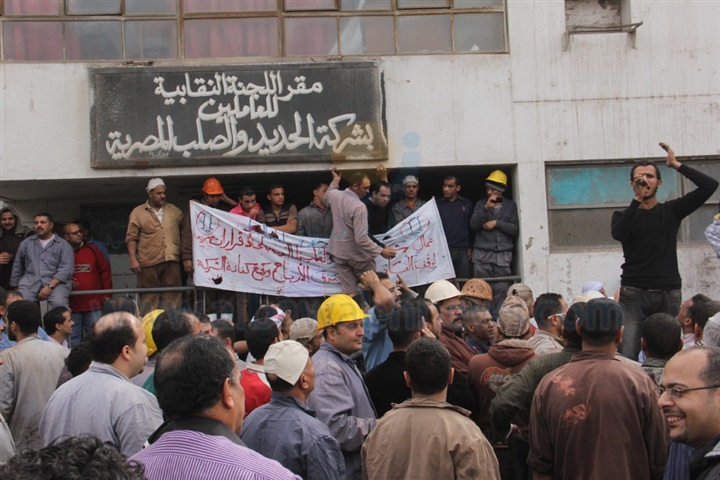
(112, 333)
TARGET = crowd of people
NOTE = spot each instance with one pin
(463, 379)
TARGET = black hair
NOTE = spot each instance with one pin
(53, 317)
(224, 329)
(644, 163)
(318, 184)
(70, 458)
(277, 384)
(704, 311)
(120, 304)
(25, 314)
(600, 321)
(572, 337)
(357, 178)
(247, 192)
(427, 363)
(3, 296)
(170, 325)
(289, 304)
(547, 305)
(404, 324)
(190, 374)
(452, 177)
(471, 311)
(662, 333)
(275, 185)
(259, 335)
(45, 214)
(375, 187)
(382, 276)
(697, 300)
(79, 358)
(82, 223)
(107, 344)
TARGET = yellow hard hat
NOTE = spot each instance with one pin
(497, 179)
(338, 309)
(212, 186)
(147, 323)
(477, 288)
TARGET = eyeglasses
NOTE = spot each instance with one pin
(674, 392)
(450, 308)
(559, 315)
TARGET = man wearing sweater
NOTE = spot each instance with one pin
(650, 281)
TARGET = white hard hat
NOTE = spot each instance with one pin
(441, 290)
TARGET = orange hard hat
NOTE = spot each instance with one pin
(212, 186)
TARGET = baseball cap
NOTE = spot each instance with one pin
(410, 179)
(286, 359)
(514, 319)
(303, 329)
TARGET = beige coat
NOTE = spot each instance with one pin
(428, 439)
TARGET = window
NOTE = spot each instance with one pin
(583, 197)
(118, 30)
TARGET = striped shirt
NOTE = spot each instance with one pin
(187, 454)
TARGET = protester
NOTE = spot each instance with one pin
(426, 437)
(198, 389)
(648, 231)
(286, 429)
(340, 397)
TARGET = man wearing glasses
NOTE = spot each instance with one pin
(446, 298)
(690, 402)
(597, 417)
(549, 314)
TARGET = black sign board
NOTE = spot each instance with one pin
(232, 115)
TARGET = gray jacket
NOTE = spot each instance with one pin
(104, 403)
(502, 237)
(35, 266)
(342, 402)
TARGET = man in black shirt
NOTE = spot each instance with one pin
(650, 281)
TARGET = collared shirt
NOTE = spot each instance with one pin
(35, 266)
(288, 431)
(314, 221)
(376, 346)
(455, 216)
(269, 218)
(343, 403)
(545, 342)
(64, 343)
(104, 403)
(28, 377)
(402, 210)
(157, 241)
(688, 340)
(477, 347)
(460, 353)
(206, 453)
(349, 239)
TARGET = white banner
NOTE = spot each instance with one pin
(232, 252)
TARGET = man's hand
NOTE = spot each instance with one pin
(292, 220)
(489, 225)
(5, 258)
(388, 252)
(44, 293)
(135, 265)
(491, 202)
(671, 161)
(188, 266)
(368, 280)
(336, 176)
(381, 172)
(254, 211)
(426, 333)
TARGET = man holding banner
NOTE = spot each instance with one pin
(351, 248)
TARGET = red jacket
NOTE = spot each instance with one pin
(92, 272)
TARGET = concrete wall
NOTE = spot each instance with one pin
(605, 96)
